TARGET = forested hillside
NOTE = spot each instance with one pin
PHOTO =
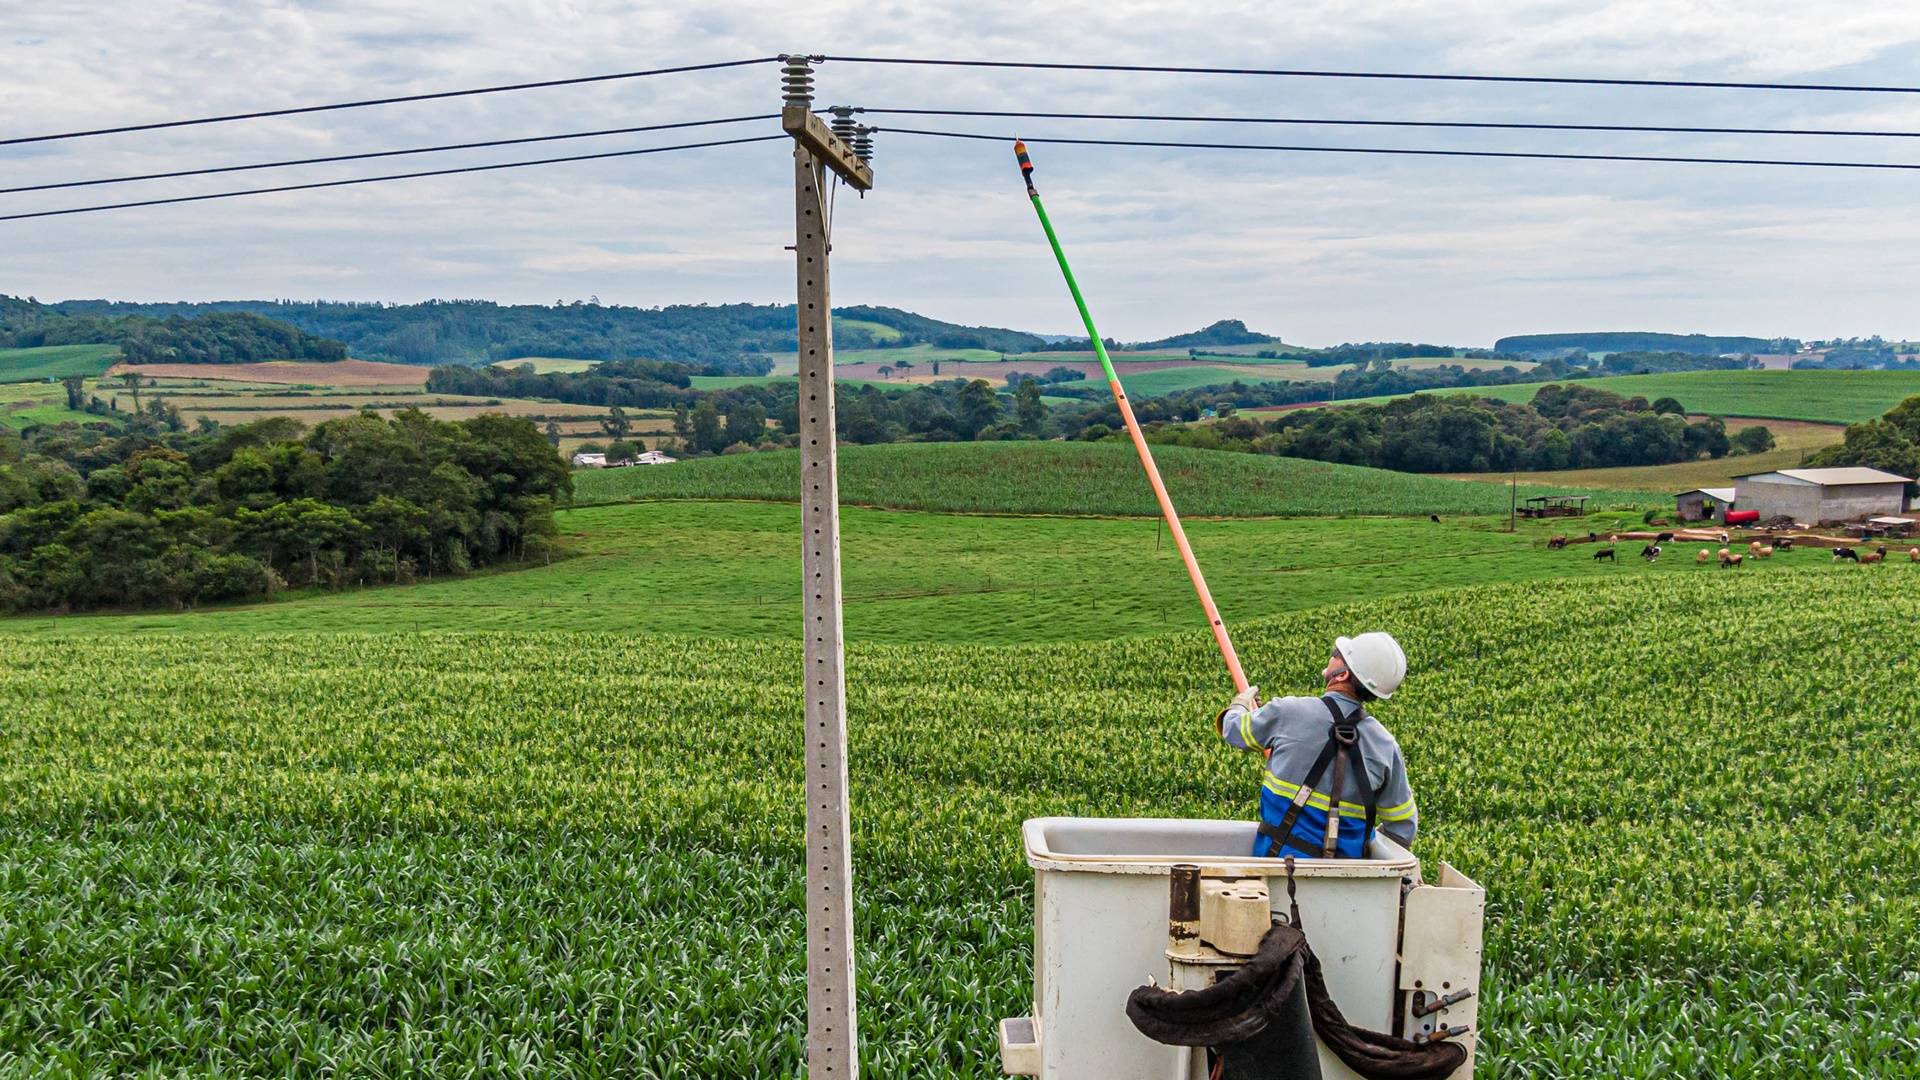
(722, 338)
(1224, 332)
(1643, 341)
(210, 337)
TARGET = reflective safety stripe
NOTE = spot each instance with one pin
(1403, 812)
(1246, 729)
(1320, 802)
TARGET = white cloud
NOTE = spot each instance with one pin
(1316, 247)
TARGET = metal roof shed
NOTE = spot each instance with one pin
(1820, 495)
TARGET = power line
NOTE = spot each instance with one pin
(380, 154)
(1302, 73)
(393, 176)
(1538, 155)
(1338, 122)
(436, 96)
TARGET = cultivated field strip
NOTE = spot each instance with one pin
(574, 854)
(1074, 478)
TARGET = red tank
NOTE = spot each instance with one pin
(1742, 517)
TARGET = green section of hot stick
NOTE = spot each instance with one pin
(1053, 241)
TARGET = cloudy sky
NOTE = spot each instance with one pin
(1319, 248)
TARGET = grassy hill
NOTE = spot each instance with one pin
(55, 362)
(729, 568)
(1066, 478)
(1834, 397)
(391, 853)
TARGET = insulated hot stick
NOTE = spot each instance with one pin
(1133, 428)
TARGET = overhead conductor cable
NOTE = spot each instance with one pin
(1167, 511)
(390, 176)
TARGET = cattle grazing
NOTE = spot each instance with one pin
(1650, 552)
(1663, 538)
(1605, 553)
(1435, 518)
(1703, 556)
(1845, 553)
(1783, 543)
(1593, 538)
(1753, 547)
(1873, 557)
(1765, 552)
(1556, 543)
(1913, 554)
(1727, 559)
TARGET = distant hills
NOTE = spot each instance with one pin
(719, 338)
(1530, 345)
(1224, 332)
(724, 338)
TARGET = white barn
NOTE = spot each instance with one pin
(1818, 495)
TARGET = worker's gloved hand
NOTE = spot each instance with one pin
(1248, 699)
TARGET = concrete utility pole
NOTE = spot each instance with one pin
(833, 1051)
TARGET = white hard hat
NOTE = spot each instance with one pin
(1375, 660)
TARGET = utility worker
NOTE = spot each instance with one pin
(1328, 748)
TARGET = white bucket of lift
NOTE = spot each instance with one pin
(1100, 929)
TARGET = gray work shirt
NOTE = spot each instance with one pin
(1295, 730)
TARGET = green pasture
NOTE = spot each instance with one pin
(1834, 397)
(728, 568)
(55, 362)
(25, 404)
(880, 331)
(547, 365)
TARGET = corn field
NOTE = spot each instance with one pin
(557, 854)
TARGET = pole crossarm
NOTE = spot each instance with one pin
(835, 153)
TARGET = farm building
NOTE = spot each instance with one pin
(1817, 495)
(653, 457)
(1704, 504)
(1546, 506)
(589, 461)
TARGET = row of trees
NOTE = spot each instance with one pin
(1891, 443)
(643, 384)
(92, 517)
(1564, 427)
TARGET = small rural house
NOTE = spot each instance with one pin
(589, 461)
(1817, 495)
(1704, 504)
(653, 457)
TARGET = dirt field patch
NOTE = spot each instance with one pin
(339, 373)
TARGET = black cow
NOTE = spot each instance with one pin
(1605, 553)
(1845, 553)
(1650, 552)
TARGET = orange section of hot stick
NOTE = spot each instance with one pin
(1167, 511)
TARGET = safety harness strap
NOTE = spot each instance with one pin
(1343, 748)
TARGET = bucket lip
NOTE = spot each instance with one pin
(1393, 861)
